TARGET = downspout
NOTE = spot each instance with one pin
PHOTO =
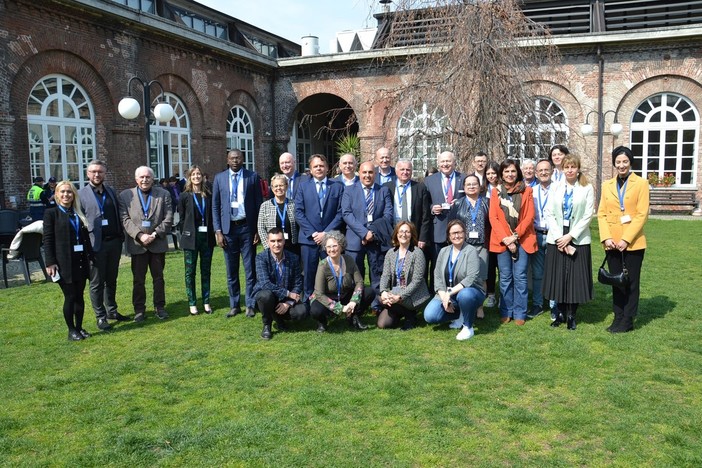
(600, 117)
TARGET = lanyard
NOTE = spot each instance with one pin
(621, 192)
(567, 203)
(339, 279)
(201, 209)
(74, 222)
(557, 175)
(145, 205)
(542, 204)
(474, 212)
(399, 266)
(452, 265)
(101, 201)
(282, 214)
(448, 184)
(401, 197)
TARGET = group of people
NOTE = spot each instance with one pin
(435, 246)
(41, 196)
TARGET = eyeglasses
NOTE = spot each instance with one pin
(456, 233)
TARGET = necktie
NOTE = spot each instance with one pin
(290, 188)
(235, 193)
(405, 214)
(369, 201)
(449, 193)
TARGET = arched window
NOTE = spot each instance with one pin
(240, 134)
(421, 136)
(170, 141)
(664, 138)
(303, 142)
(61, 128)
(534, 135)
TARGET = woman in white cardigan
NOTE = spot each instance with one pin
(568, 265)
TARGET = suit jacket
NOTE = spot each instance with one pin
(307, 209)
(466, 272)
(435, 188)
(353, 210)
(393, 175)
(160, 214)
(267, 276)
(91, 209)
(268, 217)
(636, 201)
(415, 293)
(188, 229)
(525, 225)
(420, 209)
(59, 238)
(340, 178)
(253, 197)
(583, 210)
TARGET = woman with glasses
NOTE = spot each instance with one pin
(457, 282)
(338, 286)
(279, 212)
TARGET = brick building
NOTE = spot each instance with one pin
(66, 63)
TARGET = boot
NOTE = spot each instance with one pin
(571, 320)
(559, 319)
(626, 324)
(615, 322)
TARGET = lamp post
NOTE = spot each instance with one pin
(129, 108)
(587, 129)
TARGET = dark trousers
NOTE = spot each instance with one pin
(390, 317)
(204, 251)
(311, 254)
(320, 313)
(73, 302)
(626, 302)
(155, 263)
(376, 259)
(492, 272)
(436, 247)
(240, 243)
(103, 278)
(266, 303)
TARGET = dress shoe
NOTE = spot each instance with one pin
(250, 312)
(570, 322)
(519, 322)
(139, 317)
(355, 322)
(161, 314)
(117, 316)
(74, 335)
(559, 320)
(103, 324)
(321, 327)
(626, 324)
(233, 312)
(505, 319)
(615, 323)
(266, 334)
(84, 333)
(208, 309)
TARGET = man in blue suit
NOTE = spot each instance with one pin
(386, 173)
(288, 167)
(368, 213)
(317, 210)
(236, 198)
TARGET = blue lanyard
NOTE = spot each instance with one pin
(401, 197)
(201, 209)
(145, 206)
(542, 205)
(284, 212)
(567, 203)
(474, 212)
(557, 175)
(101, 202)
(339, 279)
(452, 265)
(399, 266)
(621, 192)
(450, 182)
(74, 222)
(384, 178)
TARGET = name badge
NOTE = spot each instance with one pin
(369, 218)
(146, 223)
(202, 229)
(445, 206)
(235, 205)
(566, 223)
(286, 236)
(105, 222)
(542, 224)
(321, 214)
(78, 248)
(473, 235)
(626, 219)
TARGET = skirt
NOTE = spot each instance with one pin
(568, 279)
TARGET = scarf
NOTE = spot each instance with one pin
(510, 202)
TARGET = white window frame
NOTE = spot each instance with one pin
(170, 141)
(530, 139)
(421, 136)
(240, 134)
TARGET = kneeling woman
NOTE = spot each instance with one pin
(403, 290)
(457, 281)
(338, 286)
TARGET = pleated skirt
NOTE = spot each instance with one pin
(568, 279)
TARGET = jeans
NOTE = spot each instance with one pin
(467, 299)
(514, 294)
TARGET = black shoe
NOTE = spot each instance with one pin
(74, 335)
(103, 324)
(233, 312)
(281, 326)
(408, 326)
(139, 317)
(571, 322)
(250, 312)
(266, 333)
(559, 320)
(161, 314)
(626, 324)
(355, 322)
(84, 333)
(615, 323)
(117, 316)
(321, 327)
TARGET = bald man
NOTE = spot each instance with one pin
(385, 172)
(288, 167)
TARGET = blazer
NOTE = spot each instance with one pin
(58, 240)
(435, 188)
(340, 178)
(268, 217)
(583, 210)
(415, 293)
(267, 276)
(325, 288)
(353, 210)
(307, 209)
(253, 197)
(91, 209)
(392, 175)
(188, 229)
(636, 201)
(160, 214)
(467, 269)
(420, 209)
(525, 225)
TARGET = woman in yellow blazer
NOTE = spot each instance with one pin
(621, 216)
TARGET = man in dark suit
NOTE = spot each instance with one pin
(288, 164)
(411, 201)
(236, 199)
(317, 210)
(101, 207)
(147, 219)
(367, 211)
(347, 166)
(278, 290)
(386, 173)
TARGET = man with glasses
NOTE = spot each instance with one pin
(411, 201)
(479, 165)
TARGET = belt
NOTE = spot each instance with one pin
(239, 222)
(542, 231)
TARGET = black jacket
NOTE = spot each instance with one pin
(188, 229)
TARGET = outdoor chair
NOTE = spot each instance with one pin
(9, 225)
(29, 251)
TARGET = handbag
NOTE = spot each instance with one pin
(620, 280)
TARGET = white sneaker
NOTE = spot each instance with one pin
(456, 324)
(465, 334)
(490, 302)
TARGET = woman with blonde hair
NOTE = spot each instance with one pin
(279, 212)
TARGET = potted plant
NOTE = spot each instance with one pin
(348, 144)
(653, 179)
(668, 179)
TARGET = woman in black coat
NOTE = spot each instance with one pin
(68, 253)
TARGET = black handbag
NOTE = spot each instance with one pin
(620, 280)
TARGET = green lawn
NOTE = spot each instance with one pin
(205, 390)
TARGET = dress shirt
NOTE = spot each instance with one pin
(241, 213)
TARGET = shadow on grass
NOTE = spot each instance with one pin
(653, 308)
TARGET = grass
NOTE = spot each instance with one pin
(194, 391)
